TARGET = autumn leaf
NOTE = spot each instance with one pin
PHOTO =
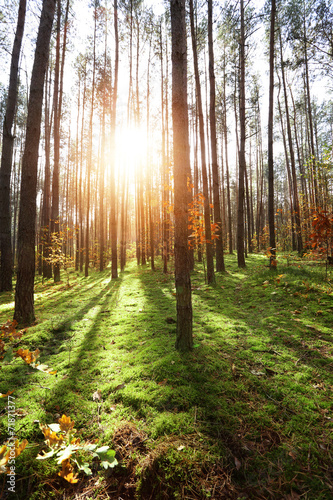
(5, 395)
(51, 437)
(67, 472)
(66, 424)
(4, 457)
(20, 447)
(5, 454)
(27, 356)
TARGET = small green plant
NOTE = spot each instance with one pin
(64, 445)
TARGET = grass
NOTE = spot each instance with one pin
(246, 414)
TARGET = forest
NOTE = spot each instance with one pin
(166, 249)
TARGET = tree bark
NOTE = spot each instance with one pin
(89, 160)
(212, 122)
(271, 213)
(113, 220)
(295, 208)
(208, 232)
(242, 165)
(24, 294)
(184, 341)
(56, 139)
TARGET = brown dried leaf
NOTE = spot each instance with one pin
(51, 438)
(66, 424)
(67, 472)
(5, 395)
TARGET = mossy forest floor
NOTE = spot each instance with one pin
(246, 415)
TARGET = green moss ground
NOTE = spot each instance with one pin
(246, 414)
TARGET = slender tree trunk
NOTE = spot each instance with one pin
(212, 122)
(123, 221)
(208, 234)
(150, 172)
(306, 201)
(102, 160)
(309, 107)
(56, 138)
(242, 165)
(184, 340)
(292, 218)
(24, 293)
(113, 219)
(6, 261)
(89, 160)
(271, 212)
(81, 184)
(248, 212)
(165, 176)
(46, 214)
(296, 207)
(76, 229)
(225, 135)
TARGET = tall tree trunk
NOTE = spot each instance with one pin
(81, 184)
(6, 262)
(76, 230)
(306, 201)
(309, 107)
(225, 135)
(56, 138)
(46, 214)
(208, 233)
(271, 213)
(242, 165)
(24, 293)
(296, 207)
(212, 122)
(292, 217)
(89, 160)
(165, 176)
(102, 160)
(248, 213)
(113, 219)
(123, 220)
(184, 340)
(150, 224)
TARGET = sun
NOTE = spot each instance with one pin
(131, 149)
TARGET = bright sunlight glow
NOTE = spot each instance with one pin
(131, 149)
